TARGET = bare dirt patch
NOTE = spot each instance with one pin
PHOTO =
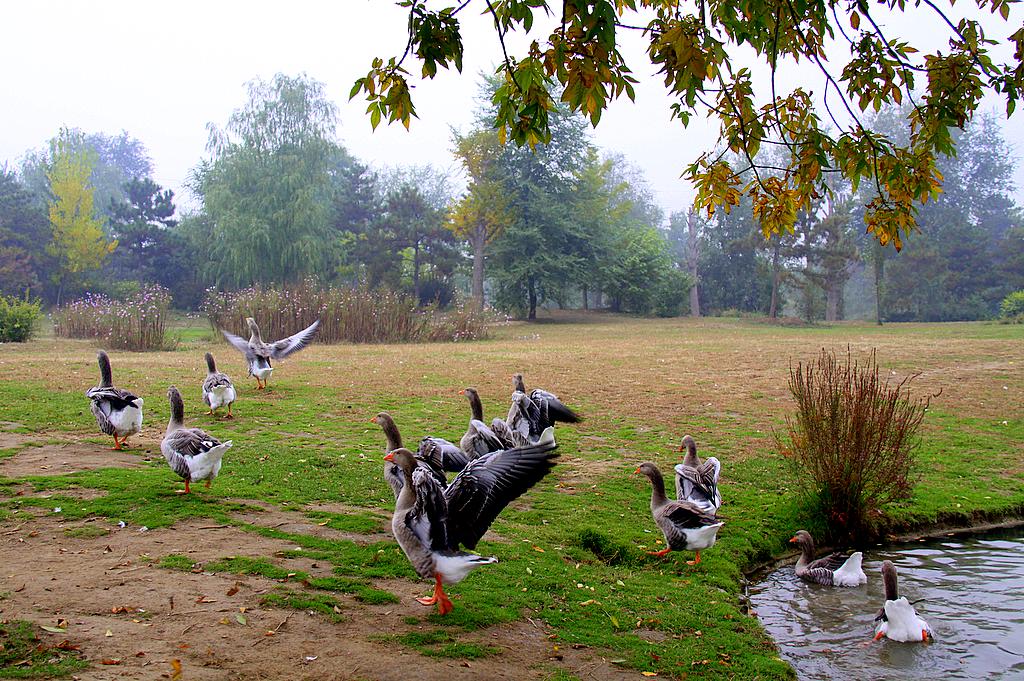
(294, 523)
(70, 457)
(120, 607)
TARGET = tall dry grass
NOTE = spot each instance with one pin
(354, 315)
(852, 440)
(137, 323)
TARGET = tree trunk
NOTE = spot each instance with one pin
(833, 292)
(692, 255)
(478, 241)
(586, 303)
(773, 311)
(533, 300)
(598, 298)
(416, 271)
(879, 279)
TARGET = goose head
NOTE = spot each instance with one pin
(403, 458)
(804, 540)
(253, 329)
(518, 383)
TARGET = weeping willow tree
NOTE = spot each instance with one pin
(267, 189)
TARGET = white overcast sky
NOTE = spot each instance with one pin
(163, 71)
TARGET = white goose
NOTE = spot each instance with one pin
(258, 354)
(897, 620)
(190, 452)
(118, 412)
(218, 391)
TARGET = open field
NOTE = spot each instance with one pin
(294, 536)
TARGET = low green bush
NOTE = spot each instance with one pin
(1012, 308)
(17, 319)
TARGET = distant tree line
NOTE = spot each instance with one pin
(280, 200)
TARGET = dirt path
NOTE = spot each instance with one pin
(131, 618)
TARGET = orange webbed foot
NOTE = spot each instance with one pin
(661, 553)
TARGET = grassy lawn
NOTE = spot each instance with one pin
(571, 550)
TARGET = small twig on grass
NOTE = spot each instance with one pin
(212, 527)
(187, 629)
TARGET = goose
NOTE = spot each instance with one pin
(551, 408)
(833, 570)
(118, 412)
(897, 619)
(685, 525)
(259, 354)
(477, 438)
(697, 481)
(218, 390)
(190, 452)
(435, 454)
(431, 521)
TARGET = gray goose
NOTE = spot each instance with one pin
(479, 438)
(434, 454)
(897, 620)
(431, 521)
(685, 525)
(118, 412)
(832, 570)
(190, 452)
(258, 354)
(551, 408)
(697, 481)
(218, 391)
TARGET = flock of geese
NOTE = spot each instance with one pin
(438, 522)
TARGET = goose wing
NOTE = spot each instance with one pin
(556, 411)
(215, 379)
(487, 485)
(524, 416)
(701, 481)
(480, 440)
(428, 517)
(509, 438)
(286, 346)
(190, 441)
(831, 562)
(442, 454)
(240, 344)
(111, 399)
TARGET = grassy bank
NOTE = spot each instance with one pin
(571, 550)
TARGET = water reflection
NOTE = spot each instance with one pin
(970, 591)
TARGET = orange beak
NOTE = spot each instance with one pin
(793, 540)
(390, 456)
(681, 448)
(462, 392)
(373, 420)
(637, 469)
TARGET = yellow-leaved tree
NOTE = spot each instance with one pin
(480, 215)
(79, 242)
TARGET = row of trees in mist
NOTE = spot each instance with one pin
(281, 199)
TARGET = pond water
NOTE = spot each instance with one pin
(970, 591)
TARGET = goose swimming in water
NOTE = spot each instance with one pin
(190, 452)
(431, 521)
(897, 619)
(258, 354)
(833, 570)
(118, 412)
(218, 391)
(685, 525)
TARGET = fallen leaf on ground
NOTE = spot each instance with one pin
(113, 661)
(241, 619)
(176, 666)
(53, 630)
(233, 590)
(204, 599)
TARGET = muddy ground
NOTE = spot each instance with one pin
(131, 618)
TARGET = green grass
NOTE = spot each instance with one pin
(440, 643)
(28, 653)
(573, 550)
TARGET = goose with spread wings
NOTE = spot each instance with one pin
(435, 454)
(259, 354)
(696, 480)
(190, 452)
(118, 412)
(550, 408)
(432, 521)
(481, 438)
